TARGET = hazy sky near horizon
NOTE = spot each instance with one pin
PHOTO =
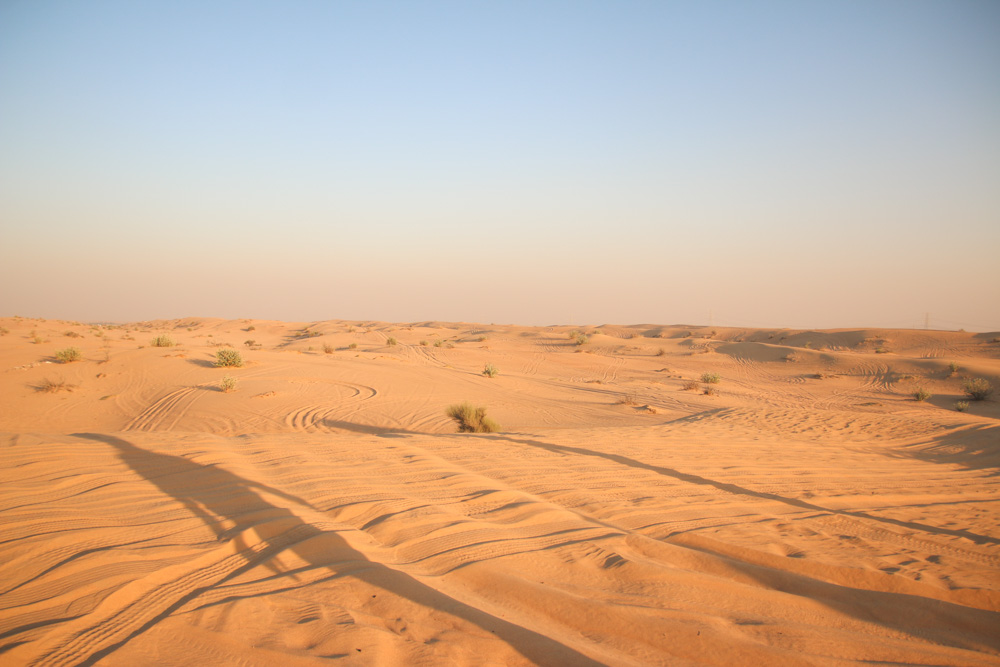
(772, 163)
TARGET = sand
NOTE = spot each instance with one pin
(809, 511)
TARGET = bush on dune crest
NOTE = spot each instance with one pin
(471, 419)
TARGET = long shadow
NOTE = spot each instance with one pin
(948, 622)
(740, 490)
(219, 497)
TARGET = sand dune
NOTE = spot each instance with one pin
(809, 511)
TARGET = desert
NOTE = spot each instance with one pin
(652, 495)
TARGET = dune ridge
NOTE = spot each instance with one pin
(809, 511)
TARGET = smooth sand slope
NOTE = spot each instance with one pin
(808, 512)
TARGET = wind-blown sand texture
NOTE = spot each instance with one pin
(809, 512)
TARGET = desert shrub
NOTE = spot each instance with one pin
(424, 343)
(579, 338)
(962, 406)
(250, 343)
(709, 390)
(227, 384)
(72, 334)
(953, 367)
(881, 350)
(352, 346)
(4, 331)
(68, 355)
(691, 385)
(328, 349)
(978, 389)
(163, 340)
(391, 340)
(251, 328)
(472, 419)
(710, 378)
(661, 352)
(482, 339)
(54, 386)
(627, 399)
(491, 371)
(921, 394)
(228, 357)
(438, 343)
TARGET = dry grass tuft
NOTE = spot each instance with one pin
(54, 386)
(471, 419)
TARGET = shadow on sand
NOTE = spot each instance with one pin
(229, 505)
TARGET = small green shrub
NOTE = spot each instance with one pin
(4, 331)
(482, 339)
(228, 357)
(228, 384)
(579, 337)
(352, 346)
(710, 378)
(328, 349)
(921, 394)
(68, 355)
(709, 390)
(424, 343)
(472, 419)
(390, 340)
(978, 389)
(438, 343)
(163, 340)
(491, 371)
(691, 385)
(72, 334)
(251, 328)
(962, 406)
(953, 367)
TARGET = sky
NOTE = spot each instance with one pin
(773, 163)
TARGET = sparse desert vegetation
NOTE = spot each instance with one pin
(68, 355)
(228, 357)
(54, 386)
(978, 389)
(711, 378)
(163, 340)
(491, 371)
(391, 340)
(471, 419)
(961, 406)
(228, 384)
(921, 394)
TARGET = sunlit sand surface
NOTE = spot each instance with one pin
(809, 511)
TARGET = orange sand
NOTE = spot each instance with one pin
(810, 512)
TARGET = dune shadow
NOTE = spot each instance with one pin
(974, 448)
(229, 504)
(204, 363)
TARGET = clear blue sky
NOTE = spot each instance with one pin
(804, 164)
